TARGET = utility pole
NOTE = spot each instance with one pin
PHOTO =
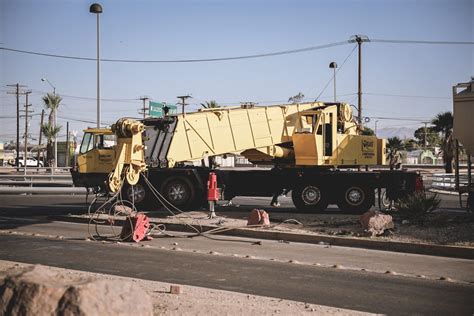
(426, 135)
(17, 93)
(144, 108)
(25, 156)
(183, 103)
(67, 144)
(40, 135)
(359, 39)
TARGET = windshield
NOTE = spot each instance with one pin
(87, 143)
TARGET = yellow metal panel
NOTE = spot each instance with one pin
(308, 149)
(225, 130)
(356, 150)
(238, 121)
(463, 111)
(381, 152)
(96, 161)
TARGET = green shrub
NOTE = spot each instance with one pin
(417, 205)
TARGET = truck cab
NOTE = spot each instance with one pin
(95, 159)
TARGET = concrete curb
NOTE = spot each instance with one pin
(396, 246)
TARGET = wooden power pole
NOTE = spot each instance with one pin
(27, 105)
(17, 93)
(40, 135)
(359, 39)
(144, 108)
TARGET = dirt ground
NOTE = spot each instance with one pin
(441, 228)
(203, 301)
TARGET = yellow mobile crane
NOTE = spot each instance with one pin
(316, 150)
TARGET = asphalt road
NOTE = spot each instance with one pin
(339, 288)
(351, 289)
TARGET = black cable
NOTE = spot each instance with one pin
(337, 71)
(406, 96)
(421, 42)
(285, 52)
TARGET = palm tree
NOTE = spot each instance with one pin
(296, 98)
(210, 104)
(50, 131)
(394, 145)
(426, 136)
(443, 123)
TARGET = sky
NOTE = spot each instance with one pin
(407, 82)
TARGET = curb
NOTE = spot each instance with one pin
(395, 246)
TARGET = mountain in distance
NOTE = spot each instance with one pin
(400, 132)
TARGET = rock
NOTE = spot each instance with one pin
(33, 290)
(259, 217)
(37, 290)
(122, 209)
(375, 222)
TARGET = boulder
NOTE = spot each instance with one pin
(38, 290)
(258, 217)
(105, 297)
(375, 222)
(34, 290)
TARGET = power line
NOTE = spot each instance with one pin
(398, 118)
(337, 71)
(78, 120)
(407, 96)
(279, 53)
(91, 98)
(421, 42)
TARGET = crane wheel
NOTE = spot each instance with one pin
(141, 196)
(356, 199)
(310, 198)
(180, 192)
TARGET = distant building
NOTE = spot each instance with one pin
(424, 157)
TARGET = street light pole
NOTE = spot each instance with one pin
(46, 80)
(97, 10)
(333, 65)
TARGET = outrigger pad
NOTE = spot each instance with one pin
(135, 228)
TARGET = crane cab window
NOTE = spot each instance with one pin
(99, 141)
(312, 121)
(87, 143)
(104, 141)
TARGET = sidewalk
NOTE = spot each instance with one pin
(322, 229)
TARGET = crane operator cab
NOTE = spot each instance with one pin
(95, 159)
(328, 136)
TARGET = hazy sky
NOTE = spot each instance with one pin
(163, 30)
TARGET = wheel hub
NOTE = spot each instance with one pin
(176, 192)
(137, 193)
(311, 195)
(354, 196)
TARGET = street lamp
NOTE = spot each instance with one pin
(333, 65)
(46, 80)
(97, 10)
(55, 124)
(375, 132)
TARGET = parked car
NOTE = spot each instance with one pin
(30, 162)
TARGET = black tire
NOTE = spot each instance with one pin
(310, 198)
(356, 198)
(180, 192)
(141, 196)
